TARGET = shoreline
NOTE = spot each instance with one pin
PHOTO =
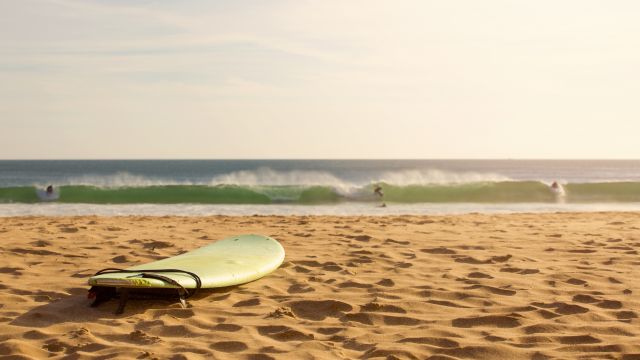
(344, 209)
(493, 286)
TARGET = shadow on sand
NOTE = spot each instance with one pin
(76, 308)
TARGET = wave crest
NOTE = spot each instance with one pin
(438, 177)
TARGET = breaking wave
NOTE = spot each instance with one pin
(260, 192)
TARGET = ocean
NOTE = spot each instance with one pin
(307, 187)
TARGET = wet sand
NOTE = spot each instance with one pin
(521, 286)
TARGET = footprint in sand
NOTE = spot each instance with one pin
(114, 228)
(545, 314)
(500, 321)
(439, 250)
(578, 339)
(260, 357)
(470, 260)
(250, 302)
(121, 259)
(503, 258)
(493, 290)
(319, 310)
(354, 284)
(562, 308)
(543, 329)
(610, 304)
(303, 235)
(376, 352)
(330, 330)
(361, 252)
(309, 263)
(41, 243)
(520, 271)
(175, 313)
(229, 346)
(408, 255)
(301, 269)
(35, 335)
(353, 344)
(55, 346)
(432, 341)
(283, 333)
(404, 265)
(227, 327)
(584, 298)
(11, 270)
(446, 303)
(362, 238)
(331, 266)
(154, 244)
(494, 338)
(34, 252)
(626, 315)
(582, 251)
(375, 319)
(391, 241)
(281, 312)
(386, 283)
(574, 281)
(377, 307)
(300, 289)
(140, 337)
(479, 275)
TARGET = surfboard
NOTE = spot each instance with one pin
(232, 261)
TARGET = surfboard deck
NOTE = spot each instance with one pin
(232, 261)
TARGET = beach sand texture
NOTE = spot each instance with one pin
(521, 286)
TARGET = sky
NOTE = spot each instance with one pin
(211, 79)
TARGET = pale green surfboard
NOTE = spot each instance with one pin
(232, 261)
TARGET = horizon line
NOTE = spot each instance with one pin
(321, 159)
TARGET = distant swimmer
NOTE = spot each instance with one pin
(48, 194)
(557, 190)
(377, 190)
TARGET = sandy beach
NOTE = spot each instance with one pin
(521, 286)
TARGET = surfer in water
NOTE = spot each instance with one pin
(377, 190)
(48, 193)
(558, 191)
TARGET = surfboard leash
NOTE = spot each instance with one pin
(101, 293)
(152, 274)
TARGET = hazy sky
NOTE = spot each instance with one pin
(319, 79)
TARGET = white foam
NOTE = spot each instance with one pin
(120, 179)
(353, 209)
(438, 177)
(265, 176)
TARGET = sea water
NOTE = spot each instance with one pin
(305, 187)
